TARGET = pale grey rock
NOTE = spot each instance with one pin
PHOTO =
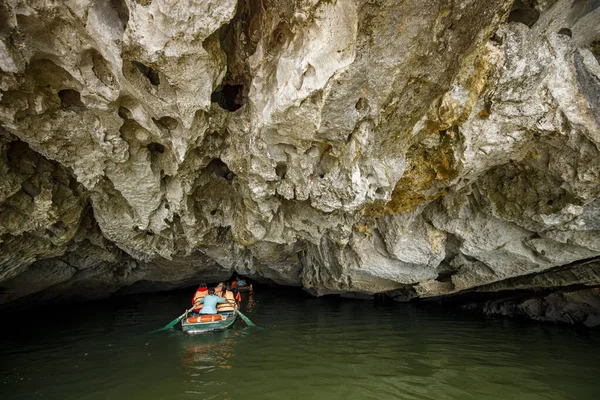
(416, 148)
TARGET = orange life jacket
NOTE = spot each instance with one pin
(229, 305)
(200, 293)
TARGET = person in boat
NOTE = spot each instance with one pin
(240, 283)
(229, 304)
(220, 289)
(210, 302)
(201, 292)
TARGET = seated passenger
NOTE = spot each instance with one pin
(200, 293)
(219, 289)
(229, 304)
(210, 302)
(241, 282)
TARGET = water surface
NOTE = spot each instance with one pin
(311, 349)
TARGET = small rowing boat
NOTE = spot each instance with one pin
(243, 289)
(208, 322)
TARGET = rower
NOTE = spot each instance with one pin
(210, 302)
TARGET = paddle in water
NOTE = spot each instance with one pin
(247, 320)
(172, 323)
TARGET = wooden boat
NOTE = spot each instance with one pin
(243, 289)
(208, 322)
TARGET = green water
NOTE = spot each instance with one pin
(311, 349)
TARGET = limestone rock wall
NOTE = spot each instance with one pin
(417, 148)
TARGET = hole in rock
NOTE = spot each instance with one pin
(213, 212)
(566, 32)
(361, 104)
(29, 188)
(486, 111)
(281, 170)
(70, 100)
(120, 6)
(155, 148)
(219, 168)
(166, 123)
(444, 276)
(101, 68)
(594, 47)
(281, 35)
(523, 13)
(229, 97)
(125, 113)
(550, 202)
(496, 38)
(148, 72)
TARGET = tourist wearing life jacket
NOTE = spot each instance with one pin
(241, 283)
(219, 289)
(210, 302)
(200, 293)
(229, 304)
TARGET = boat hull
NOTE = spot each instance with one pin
(201, 327)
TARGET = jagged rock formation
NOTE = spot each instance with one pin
(416, 148)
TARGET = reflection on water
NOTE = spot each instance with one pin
(311, 349)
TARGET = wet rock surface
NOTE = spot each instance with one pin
(418, 149)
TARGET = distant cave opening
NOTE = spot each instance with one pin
(219, 168)
(70, 100)
(148, 72)
(566, 32)
(230, 97)
(523, 13)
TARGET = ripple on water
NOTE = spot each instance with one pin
(310, 349)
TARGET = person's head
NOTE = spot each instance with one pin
(228, 287)
(211, 291)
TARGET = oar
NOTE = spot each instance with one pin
(246, 319)
(242, 316)
(174, 322)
